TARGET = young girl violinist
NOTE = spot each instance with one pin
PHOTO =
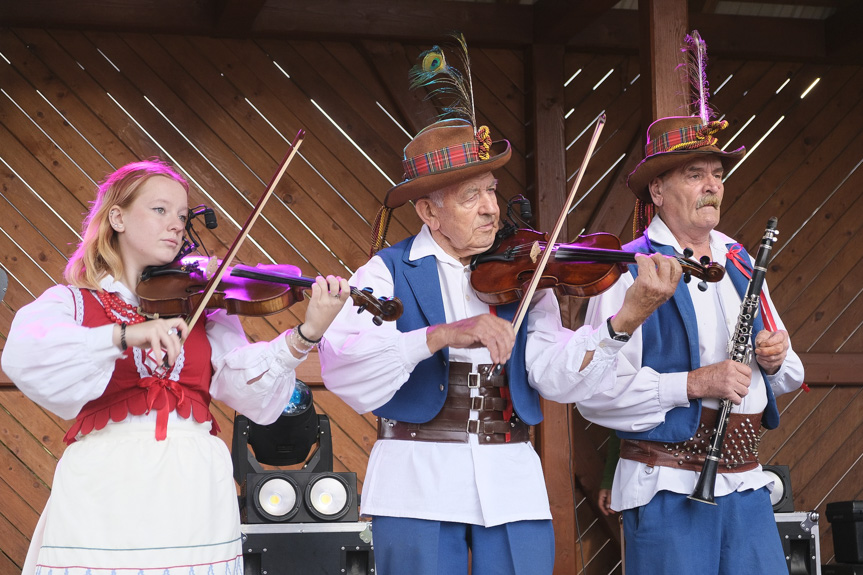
(145, 487)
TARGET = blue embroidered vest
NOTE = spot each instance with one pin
(417, 285)
(670, 344)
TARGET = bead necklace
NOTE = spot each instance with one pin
(117, 310)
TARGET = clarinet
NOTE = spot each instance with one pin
(739, 350)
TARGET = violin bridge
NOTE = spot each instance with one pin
(212, 266)
(535, 250)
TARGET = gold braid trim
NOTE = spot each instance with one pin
(483, 137)
(379, 229)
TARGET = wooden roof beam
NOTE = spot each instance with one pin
(416, 21)
(753, 38)
(168, 16)
(236, 17)
(842, 33)
(555, 21)
(407, 20)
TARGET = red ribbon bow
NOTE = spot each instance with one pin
(157, 387)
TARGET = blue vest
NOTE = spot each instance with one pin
(417, 285)
(670, 344)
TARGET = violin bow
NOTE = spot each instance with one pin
(213, 282)
(546, 253)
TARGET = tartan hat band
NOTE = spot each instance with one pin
(445, 153)
(441, 160)
(684, 138)
(674, 141)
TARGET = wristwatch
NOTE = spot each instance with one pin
(622, 336)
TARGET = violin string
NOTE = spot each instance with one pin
(575, 252)
(599, 253)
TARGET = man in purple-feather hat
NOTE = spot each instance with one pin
(675, 368)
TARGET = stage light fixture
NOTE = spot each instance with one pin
(313, 494)
(297, 520)
(287, 441)
(277, 497)
(328, 497)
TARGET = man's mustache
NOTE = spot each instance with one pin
(708, 201)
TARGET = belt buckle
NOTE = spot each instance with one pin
(473, 380)
(473, 402)
(475, 431)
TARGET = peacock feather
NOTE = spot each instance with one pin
(695, 50)
(446, 82)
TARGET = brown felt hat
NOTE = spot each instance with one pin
(445, 153)
(674, 141)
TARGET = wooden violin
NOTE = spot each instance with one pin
(178, 289)
(584, 268)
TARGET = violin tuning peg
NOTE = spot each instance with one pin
(361, 309)
(687, 252)
(377, 320)
(687, 277)
(705, 261)
(368, 290)
(702, 285)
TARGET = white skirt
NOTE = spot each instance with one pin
(123, 502)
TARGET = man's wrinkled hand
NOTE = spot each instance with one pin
(724, 380)
(771, 348)
(484, 330)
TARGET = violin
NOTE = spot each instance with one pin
(585, 268)
(178, 289)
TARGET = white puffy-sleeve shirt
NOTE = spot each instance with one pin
(641, 397)
(62, 365)
(486, 485)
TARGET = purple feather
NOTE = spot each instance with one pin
(695, 50)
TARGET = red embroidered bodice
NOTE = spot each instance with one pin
(136, 388)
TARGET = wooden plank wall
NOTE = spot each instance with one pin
(807, 172)
(75, 105)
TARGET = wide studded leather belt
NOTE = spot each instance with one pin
(496, 423)
(739, 451)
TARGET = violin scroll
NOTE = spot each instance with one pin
(704, 269)
(385, 309)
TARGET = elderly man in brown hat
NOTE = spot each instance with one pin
(675, 369)
(453, 479)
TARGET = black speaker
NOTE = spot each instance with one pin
(299, 497)
(846, 519)
(780, 497)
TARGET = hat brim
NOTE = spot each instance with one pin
(420, 186)
(658, 164)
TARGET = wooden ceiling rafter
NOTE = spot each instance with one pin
(578, 24)
(237, 14)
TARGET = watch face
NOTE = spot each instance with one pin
(617, 336)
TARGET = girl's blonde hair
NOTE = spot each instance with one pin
(97, 254)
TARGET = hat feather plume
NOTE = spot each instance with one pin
(445, 81)
(695, 67)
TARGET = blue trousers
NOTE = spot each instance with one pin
(418, 547)
(673, 535)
